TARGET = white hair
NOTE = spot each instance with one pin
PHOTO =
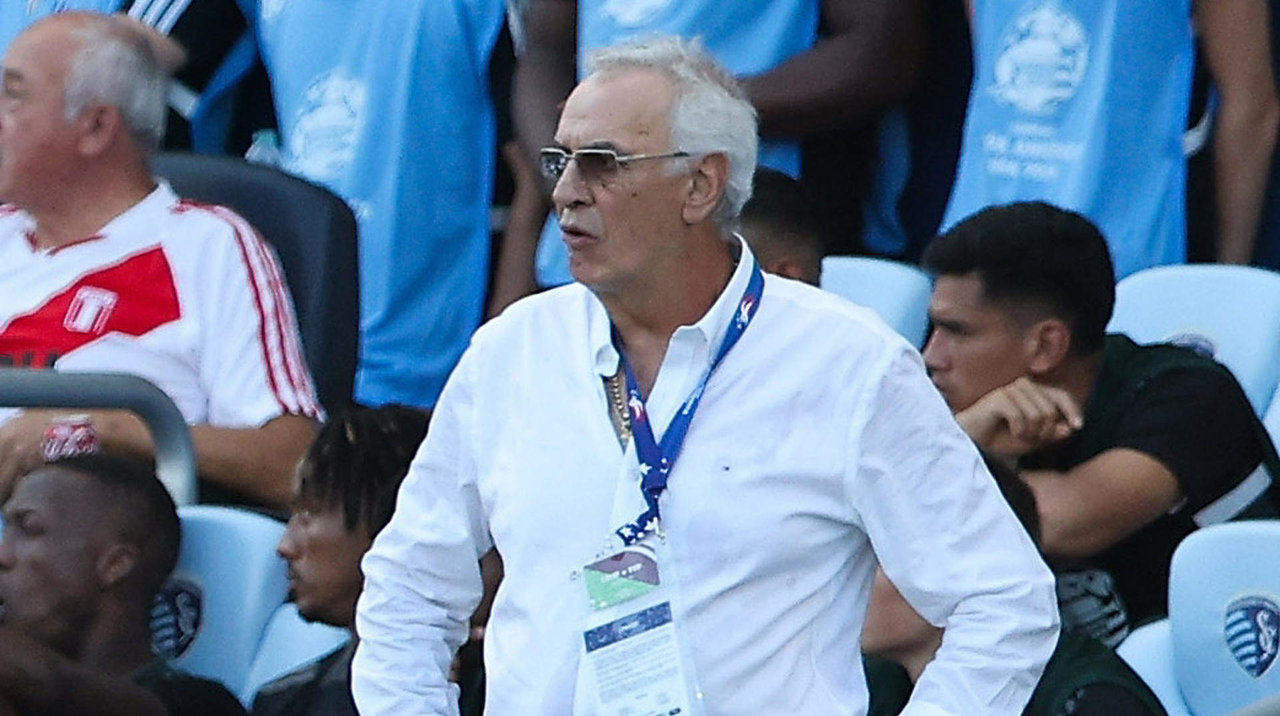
(116, 66)
(710, 113)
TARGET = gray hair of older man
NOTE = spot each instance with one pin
(710, 112)
(117, 65)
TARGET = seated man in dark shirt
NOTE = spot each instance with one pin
(344, 494)
(1127, 448)
(1082, 678)
(87, 543)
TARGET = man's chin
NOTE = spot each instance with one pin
(949, 397)
(314, 614)
(307, 613)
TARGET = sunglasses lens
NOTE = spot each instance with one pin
(596, 163)
(552, 162)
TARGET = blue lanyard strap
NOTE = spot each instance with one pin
(657, 459)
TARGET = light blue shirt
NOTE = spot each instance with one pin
(1083, 104)
(386, 102)
(748, 36)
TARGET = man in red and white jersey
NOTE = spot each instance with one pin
(102, 268)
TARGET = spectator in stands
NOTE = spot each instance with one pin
(774, 530)
(917, 146)
(1127, 448)
(344, 495)
(1082, 678)
(1084, 106)
(780, 226)
(864, 62)
(386, 103)
(88, 541)
(104, 269)
(345, 491)
(215, 35)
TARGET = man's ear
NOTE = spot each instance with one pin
(708, 181)
(1048, 342)
(99, 125)
(115, 563)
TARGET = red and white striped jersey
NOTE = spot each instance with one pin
(185, 295)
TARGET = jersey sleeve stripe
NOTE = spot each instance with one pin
(147, 11)
(283, 328)
(171, 17)
(267, 329)
(295, 364)
(277, 355)
(151, 11)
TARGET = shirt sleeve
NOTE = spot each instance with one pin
(1199, 425)
(422, 575)
(251, 361)
(951, 544)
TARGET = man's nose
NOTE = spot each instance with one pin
(570, 189)
(933, 353)
(286, 547)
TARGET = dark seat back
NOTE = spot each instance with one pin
(313, 232)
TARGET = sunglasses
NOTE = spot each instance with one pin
(594, 163)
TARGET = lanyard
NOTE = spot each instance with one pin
(657, 459)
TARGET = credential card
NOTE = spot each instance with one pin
(637, 666)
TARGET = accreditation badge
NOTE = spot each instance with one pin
(633, 663)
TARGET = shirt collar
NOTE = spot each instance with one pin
(161, 196)
(712, 327)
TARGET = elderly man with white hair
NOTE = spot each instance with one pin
(104, 268)
(690, 469)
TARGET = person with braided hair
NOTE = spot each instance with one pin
(344, 493)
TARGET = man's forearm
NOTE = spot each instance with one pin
(513, 276)
(868, 63)
(1244, 141)
(256, 462)
(545, 73)
(1097, 504)
(1237, 50)
(544, 76)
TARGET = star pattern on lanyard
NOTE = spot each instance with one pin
(649, 453)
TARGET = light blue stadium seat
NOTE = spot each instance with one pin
(1148, 651)
(1217, 651)
(1271, 418)
(228, 583)
(289, 642)
(1232, 312)
(898, 292)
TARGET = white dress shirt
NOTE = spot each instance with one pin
(820, 445)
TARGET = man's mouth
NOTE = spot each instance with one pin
(574, 234)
